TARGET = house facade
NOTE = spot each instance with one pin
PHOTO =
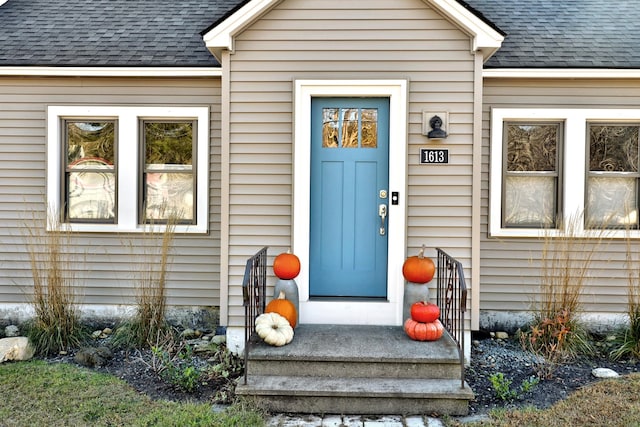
(308, 128)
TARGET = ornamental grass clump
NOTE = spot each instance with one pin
(56, 326)
(555, 333)
(628, 340)
(152, 255)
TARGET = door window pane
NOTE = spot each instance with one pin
(90, 178)
(169, 178)
(349, 128)
(370, 128)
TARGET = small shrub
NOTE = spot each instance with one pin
(177, 369)
(225, 368)
(502, 386)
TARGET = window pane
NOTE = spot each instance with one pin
(370, 128)
(91, 195)
(530, 201)
(613, 148)
(350, 118)
(168, 143)
(330, 127)
(169, 194)
(90, 141)
(612, 202)
(532, 147)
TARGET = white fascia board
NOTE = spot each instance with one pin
(565, 73)
(221, 36)
(112, 71)
(485, 39)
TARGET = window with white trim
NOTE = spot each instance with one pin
(120, 168)
(549, 166)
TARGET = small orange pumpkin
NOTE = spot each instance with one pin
(418, 269)
(284, 308)
(286, 266)
(420, 331)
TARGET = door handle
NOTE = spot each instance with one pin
(382, 212)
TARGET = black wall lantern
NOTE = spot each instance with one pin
(436, 132)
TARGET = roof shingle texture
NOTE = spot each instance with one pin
(163, 33)
(564, 33)
(138, 33)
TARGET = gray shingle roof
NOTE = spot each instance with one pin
(565, 33)
(138, 33)
(166, 33)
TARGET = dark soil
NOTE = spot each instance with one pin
(491, 356)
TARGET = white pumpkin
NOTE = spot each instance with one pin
(274, 329)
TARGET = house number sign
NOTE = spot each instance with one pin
(431, 155)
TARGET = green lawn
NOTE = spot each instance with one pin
(37, 393)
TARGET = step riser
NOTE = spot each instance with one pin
(362, 406)
(354, 369)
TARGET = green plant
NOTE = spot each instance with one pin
(502, 386)
(177, 369)
(225, 368)
(56, 326)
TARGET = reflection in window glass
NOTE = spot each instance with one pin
(531, 181)
(169, 178)
(612, 188)
(90, 179)
(370, 128)
(349, 128)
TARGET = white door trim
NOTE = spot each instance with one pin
(351, 312)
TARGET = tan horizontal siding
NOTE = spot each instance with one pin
(318, 39)
(510, 268)
(106, 263)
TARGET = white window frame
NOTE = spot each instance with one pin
(574, 168)
(128, 170)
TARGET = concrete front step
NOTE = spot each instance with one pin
(352, 369)
(356, 351)
(320, 395)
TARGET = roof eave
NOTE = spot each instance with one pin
(220, 37)
(485, 38)
(79, 71)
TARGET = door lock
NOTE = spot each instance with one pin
(382, 212)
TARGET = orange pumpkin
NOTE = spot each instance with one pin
(418, 269)
(424, 311)
(286, 266)
(284, 308)
(420, 331)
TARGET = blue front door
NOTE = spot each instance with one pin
(349, 197)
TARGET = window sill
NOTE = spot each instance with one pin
(115, 228)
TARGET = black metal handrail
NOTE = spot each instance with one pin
(452, 299)
(254, 288)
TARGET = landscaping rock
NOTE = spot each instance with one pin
(604, 373)
(15, 348)
(93, 356)
(11, 331)
(502, 335)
